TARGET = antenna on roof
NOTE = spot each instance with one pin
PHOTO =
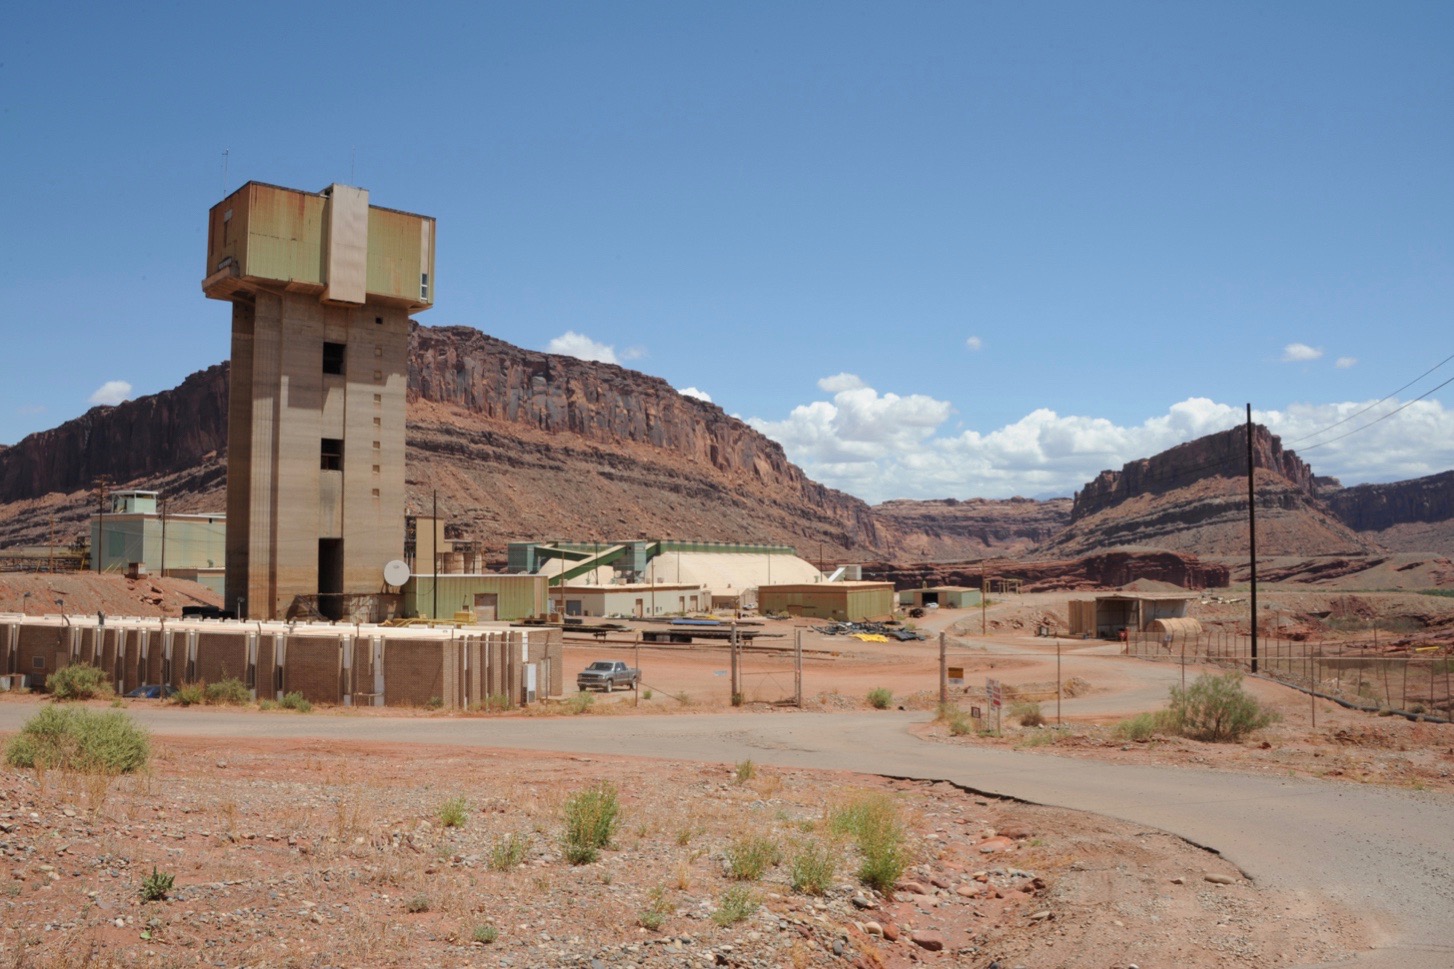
(224, 172)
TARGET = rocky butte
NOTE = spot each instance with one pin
(1193, 498)
(521, 444)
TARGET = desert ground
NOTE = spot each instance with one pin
(308, 852)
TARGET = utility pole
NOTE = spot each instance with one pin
(103, 482)
(1252, 533)
(943, 673)
(983, 602)
(434, 551)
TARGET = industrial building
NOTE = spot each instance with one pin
(844, 601)
(133, 536)
(729, 572)
(346, 665)
(630, 600)
(941, 596)
(1106, 616)
(322, 285)
(477, 598)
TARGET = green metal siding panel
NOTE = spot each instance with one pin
(395, 258)
(284, 236)
(519, 597)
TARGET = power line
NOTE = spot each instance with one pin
(1383, 418)
(1375, 404)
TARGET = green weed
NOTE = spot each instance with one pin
(748, 857)
(736, 904)
(591, 817)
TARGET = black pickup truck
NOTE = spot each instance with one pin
(606, 675)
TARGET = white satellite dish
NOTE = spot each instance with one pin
(396, 572)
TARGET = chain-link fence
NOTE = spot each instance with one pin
(1404, 677)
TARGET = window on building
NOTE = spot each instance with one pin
(332, 454)
(424, 286)
(333, 357)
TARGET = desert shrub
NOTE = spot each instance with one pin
(417, 904)
(873, 824)
(958, 721)
(1217, 709)
(295, 701)
(507, 852)
(267, 704)
(646, 694)
(228, 692)
(78, 682)
(156, 886)
(1028, 714)
(814, 865)
(880, 697)
(1144, 726)
(745, 770)
(485, 933)
(591, 817)
(580, 703)
(452, 813)
(74, 738)
(435, 703)
(749, 856)
(736, 904)
(190, 694)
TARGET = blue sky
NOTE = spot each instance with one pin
(935, 249)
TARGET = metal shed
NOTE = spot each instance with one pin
(1106, 615)
(847, 601)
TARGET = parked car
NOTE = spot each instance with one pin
(152, 691)
(605, 674)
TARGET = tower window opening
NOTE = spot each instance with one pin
(331, 454)
(333, 354)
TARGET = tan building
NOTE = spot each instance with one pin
(631, 600)
(1110, 615)
(845, 601)
(321, 285)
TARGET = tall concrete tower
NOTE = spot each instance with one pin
(321, 286)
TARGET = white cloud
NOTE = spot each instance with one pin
(974, 343)
(112, 392)
(842, 381)
(694, 392)
(1300, 353)
(1343, 363)
(578, 345)
(881, 446)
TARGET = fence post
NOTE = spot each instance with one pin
(944, 671)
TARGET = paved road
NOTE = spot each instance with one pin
(1378, 851)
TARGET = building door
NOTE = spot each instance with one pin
(330, 578)
(487, 606)
(640, 608)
